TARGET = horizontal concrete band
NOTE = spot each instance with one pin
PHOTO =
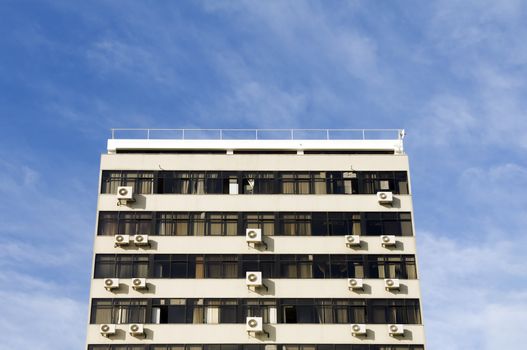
(261, 202)
(273, 288)
(238, 245)
(253, 162)
(277, 333)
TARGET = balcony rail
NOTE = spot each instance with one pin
(259, 134)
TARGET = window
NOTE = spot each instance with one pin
(255, 182)
(295, 224)
(169, 311)
(233, 223)
(141, 181)
(221, 266)
(127, 223)
(271, 266)
(118, 311)
(121, 266)
(375, 181)
(380, 223)
(263, 221)
(222, 224)
(172, 224)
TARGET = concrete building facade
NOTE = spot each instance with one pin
(295, 242)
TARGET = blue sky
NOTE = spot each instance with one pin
(452, 73)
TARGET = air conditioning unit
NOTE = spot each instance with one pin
(107, 329)
(358, 329)
(141, 240)
(254, 324)
(395, 329)
(111, 283)
(136, 329)
(121, 240)
(385, 197)
(253, 235)
(388, 241)
(139, 283)
(253, 279)
(125, 194)
(391, 284)
(355, 283)
(352, 240)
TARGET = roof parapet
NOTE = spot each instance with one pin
(258, 134)
(256, 139)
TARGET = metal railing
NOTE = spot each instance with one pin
(259, 134)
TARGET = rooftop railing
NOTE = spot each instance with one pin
(259, 134)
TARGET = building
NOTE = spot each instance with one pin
(255, 240)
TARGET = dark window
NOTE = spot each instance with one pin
(121, 266)
(398, 224)
(118, 311)
(253, 182)
(232, 223)
(141, 181)
(128, 223)
(373, 182)
(271, 266)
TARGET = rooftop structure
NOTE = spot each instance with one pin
(127, 140)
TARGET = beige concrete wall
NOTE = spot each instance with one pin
(236, 288)
(261, 202)
(278, 333)
(248, 162)
(238, 245)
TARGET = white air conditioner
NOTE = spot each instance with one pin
(253, 279)
(139, 283)
(111, 283)
(253, 235)
(254, 324)
(141, 240)
(358, 329)
(125, 194)
(388, 241)
(391, 284)
(395, 329)
(352, 240)
(385, 197)
(355, 283)
(107, 329)
(121, 240)
(136, 329)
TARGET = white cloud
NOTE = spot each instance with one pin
(446, 119)
(42, 232)
(472, 291)
(37, 315)
(140, 61)
(479, 46)
(45, 254)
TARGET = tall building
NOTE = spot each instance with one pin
(255, 240)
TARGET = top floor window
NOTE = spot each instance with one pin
(256, 182)
(141, 181)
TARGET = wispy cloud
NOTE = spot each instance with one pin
(472, 291)
(39, 308)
